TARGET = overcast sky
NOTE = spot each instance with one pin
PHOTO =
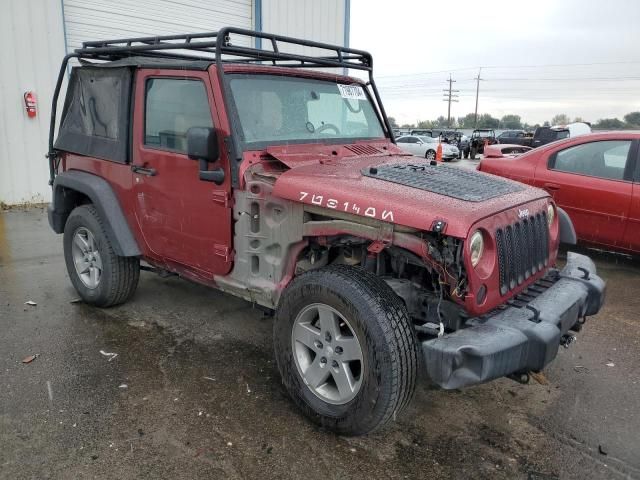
(540, 58)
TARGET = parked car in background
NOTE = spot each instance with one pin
(463, 146)
(595, 178)
(516, 137)
(479, 138)
(427, 147)
(447, 133)
(422, 132)
(544, 135)
(500, 151)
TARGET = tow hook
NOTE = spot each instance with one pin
(567, 340)
(520, 377)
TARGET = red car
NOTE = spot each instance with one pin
(595, 178)
(500, 150)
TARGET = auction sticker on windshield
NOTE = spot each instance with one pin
(354, 92)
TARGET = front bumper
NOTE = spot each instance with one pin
(522, 337)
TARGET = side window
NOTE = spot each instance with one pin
(413, 140)
(403, 140)
(605, 159)
(172, 107)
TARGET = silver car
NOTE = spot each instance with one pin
(426, 147)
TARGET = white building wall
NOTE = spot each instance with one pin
(101, 20)
(32, 39)
(33, 35)
(317, 20)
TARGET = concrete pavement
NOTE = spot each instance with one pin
(194, 392)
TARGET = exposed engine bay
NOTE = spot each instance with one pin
(425, 288)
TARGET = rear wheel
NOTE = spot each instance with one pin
(472, 153)
(100, 277)
(345, 348)
(430, 155)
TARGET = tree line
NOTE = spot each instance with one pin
(514, 122)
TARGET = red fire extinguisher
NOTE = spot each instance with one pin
(30, 103)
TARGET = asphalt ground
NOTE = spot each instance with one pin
(194, 392)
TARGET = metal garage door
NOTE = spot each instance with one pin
(96, 20)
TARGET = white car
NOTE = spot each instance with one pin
(426, 147)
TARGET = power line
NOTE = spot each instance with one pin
(560, 79)
(554, 65)
(549, 65)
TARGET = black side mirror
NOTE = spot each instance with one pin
(202, 145)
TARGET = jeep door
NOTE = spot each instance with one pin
(591, 180)
(186, 222)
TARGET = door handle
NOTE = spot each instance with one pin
(150, 172)
(551, 187)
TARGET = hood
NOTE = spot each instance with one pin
(403, 190)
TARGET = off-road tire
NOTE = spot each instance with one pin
(389, 345)
(120, 275)
(472, 153)
(466, 154)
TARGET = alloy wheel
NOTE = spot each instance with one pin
(327, 354)
(86, 258)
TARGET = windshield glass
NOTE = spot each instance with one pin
(276, 108)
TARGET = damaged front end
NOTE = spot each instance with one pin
(478, 281)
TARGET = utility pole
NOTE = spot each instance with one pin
(450, 96)
(477, 79)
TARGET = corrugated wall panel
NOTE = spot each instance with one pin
(100, 20)
(321, 21)
(32, 38)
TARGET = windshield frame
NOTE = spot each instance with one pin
(236, 128)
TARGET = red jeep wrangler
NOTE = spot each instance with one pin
(258, 173)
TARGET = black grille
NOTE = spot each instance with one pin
(523, 250)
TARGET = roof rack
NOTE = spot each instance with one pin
(218, 47)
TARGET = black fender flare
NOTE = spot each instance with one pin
(103, 198)
(567, 232)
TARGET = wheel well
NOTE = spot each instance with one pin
(415, 281)
(66, 199)
(74, 188)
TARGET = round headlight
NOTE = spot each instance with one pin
(476, 247)
(551, 214)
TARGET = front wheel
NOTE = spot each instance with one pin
(100, 277)
(472, 153)
(346, 349)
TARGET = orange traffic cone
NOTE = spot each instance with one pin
(439, 153)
